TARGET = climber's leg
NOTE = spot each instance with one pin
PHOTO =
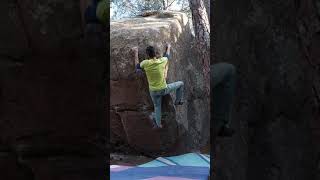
(178, 87)
(156, 97)
(222, 86)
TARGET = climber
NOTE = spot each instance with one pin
(222, 88)
(95, 12)
(156, 68)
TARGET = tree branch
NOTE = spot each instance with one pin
(171, 3)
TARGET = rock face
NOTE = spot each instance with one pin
(130, 100)
(51, 93)
(274, 45)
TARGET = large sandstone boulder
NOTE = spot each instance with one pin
(130, 99)
(52, 93)
(276, 115)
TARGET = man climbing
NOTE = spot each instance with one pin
(156, 70)
(94, 18)
(94, 15)
(95, 11)
(222, 88)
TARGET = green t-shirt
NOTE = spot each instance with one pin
(102, 11)
(155, 70)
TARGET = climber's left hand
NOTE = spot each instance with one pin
(139, 72)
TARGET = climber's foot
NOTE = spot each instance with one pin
(156, 127)
(179, 102)
(152, 121)
(226, 132)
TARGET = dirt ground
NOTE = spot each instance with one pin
(128, 160)
(135, 159)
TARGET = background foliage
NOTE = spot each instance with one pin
(130, 8)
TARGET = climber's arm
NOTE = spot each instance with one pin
(135, 52)
(167, 53)
(166, 71)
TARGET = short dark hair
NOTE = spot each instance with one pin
(151, 51)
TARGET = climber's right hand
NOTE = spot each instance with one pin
(139, 69)
(134, 49)
(168, 46)
(139, 72)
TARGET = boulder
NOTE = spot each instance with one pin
(129, 93)
(52, 93)
(276, 110)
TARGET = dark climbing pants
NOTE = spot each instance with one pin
(222, 91)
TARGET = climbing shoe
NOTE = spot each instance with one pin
(226, 132)
(178, 103)
(156, 127)
(153, 122)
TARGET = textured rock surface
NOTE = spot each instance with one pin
(130, 97)
(273, 45)
(51, 93)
